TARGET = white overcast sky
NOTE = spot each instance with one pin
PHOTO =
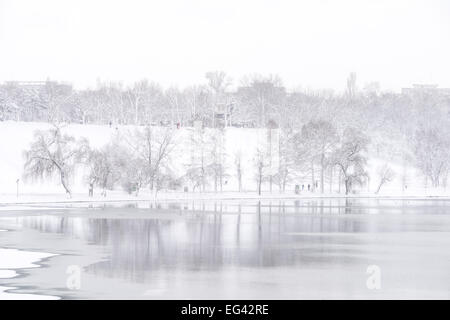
(312, 44)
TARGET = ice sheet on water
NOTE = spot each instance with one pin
(13, 259)
(5, 274)
(16, 296)
(18, 259)
(23, 208)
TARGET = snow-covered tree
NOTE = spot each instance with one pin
(104, 167)
(53, 152)
(199, 169)
(136, 96)
(261, 165)
(261, 95)
(197, 99)
(286, 159)
(432, 153)
(9, 109)
(321, 139)
(218, 82)
(175, 102)
(134, 175)
(111, 104)
(350, 158)
(151, 149)
(217, 158)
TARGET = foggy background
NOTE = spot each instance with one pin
(312, 44)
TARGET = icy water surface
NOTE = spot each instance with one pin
(304, 249)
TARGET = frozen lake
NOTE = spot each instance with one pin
(304, 249)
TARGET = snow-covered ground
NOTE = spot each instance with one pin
(15, 137)
(48, 201)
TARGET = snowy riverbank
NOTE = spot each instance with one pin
(9, 201)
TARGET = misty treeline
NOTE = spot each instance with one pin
(322, 136)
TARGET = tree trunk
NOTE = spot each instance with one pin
(322, 169)
(152, 183)
(339, 181)
(64, 183)
(91, 189)
(240, 181)
(313, 185)
(138, 187)
(347, 185)
(259, 183)
(379, 186)
(215, 182)
(331, 179)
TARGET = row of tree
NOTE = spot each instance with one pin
(255, 101)
(144, 158)
(144, 102)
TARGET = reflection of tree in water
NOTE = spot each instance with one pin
(210, 237)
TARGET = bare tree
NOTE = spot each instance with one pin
(301, 156)
(111, 103)
(84, 106)
(103, 165)
(321, 139)
(385, 174)
(134, 175)
(262, 94)
(350, 158)
(152, 149)
(286, 159)
(261, 165)
(53, 97)
(432, 153)
(238, 167)
(198, 170)
(218, 83)
(174, 98)
(9, 108)
(53, 152)
(217, 156)
(136, 97)
(197, 100)
(196, 178)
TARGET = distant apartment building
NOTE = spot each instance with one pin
(61, 87)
